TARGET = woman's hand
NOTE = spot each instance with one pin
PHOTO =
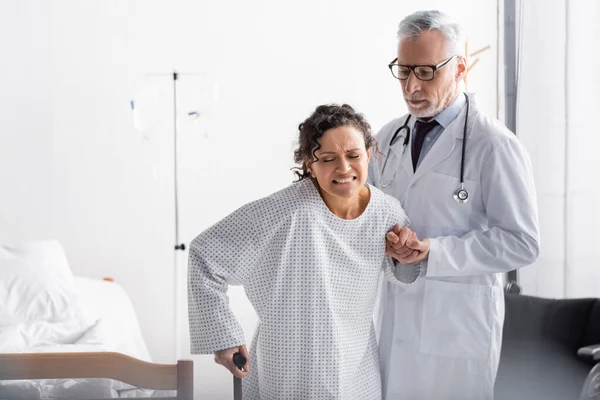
(403, 245)
(225, 358)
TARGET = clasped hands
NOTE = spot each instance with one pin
(404, 246)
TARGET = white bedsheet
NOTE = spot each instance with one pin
(95, 329)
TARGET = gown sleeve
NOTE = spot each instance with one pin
(224, 254)
(399, 274)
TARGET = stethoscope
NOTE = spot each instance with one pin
(461, 195)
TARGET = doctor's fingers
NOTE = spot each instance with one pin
(391, 238)
(398, 240)
(408, 258)
(392, 249)
(404, 234)
(399, 232)
(420, 253)
(412, 238)
(416, 244)
(404, 251)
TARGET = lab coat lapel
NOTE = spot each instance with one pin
(404, 154)
(441, 149)
(443, 146)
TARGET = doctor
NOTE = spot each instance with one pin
(466, 184)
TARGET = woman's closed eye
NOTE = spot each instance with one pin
(352, 156)
(333, 159)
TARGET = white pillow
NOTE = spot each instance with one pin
(36, 283)
(109, 302)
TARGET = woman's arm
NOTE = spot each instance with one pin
(224, 254)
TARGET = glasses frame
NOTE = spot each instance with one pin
(411, 68)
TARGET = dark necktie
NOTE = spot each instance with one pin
(421, 129)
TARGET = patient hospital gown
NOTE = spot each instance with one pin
(313, 280)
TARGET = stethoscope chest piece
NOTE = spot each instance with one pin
(461, 195)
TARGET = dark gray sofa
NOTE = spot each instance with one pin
(541, 341)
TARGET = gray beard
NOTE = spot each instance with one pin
(429, 112)
(432, 111)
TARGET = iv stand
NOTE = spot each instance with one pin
(178, 245)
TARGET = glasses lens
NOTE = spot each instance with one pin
(400, 72)
(424, 73)
(403, 72)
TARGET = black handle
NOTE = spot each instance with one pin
(239, 360)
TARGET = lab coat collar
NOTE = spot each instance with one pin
(457, 124)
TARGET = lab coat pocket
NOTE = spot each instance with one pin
(440, 198)
(457, 320)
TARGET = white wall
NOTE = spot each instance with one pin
(105, 190)
(26, 118)
(541, 127)
(558, 99)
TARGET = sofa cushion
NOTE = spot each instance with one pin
(539, 369)
(563, 321)
(592, 333)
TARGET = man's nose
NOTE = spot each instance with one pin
(412, 83)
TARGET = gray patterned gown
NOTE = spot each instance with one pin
(312, 278)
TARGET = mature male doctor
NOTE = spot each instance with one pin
(466, 184)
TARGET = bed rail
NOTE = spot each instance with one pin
(109, 365)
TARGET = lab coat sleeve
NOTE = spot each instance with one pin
(373, 170)
(394, 272)
(226, 253)
(375, 164)
(512, 240)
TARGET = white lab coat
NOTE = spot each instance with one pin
(441, 337)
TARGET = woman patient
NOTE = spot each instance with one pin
(309, 258)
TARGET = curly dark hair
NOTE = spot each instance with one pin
(325, 117)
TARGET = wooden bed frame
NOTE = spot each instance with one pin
(109, 365)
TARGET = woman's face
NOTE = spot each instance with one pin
(343, 164)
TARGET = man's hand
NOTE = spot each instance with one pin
(225, 358)
(403, 245)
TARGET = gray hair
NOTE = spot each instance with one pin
(420, 21)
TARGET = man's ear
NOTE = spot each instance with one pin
(461, 68)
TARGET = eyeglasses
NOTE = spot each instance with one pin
(423, 72)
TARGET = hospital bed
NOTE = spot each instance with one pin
(73, 337)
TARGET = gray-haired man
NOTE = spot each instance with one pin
(466, 184)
